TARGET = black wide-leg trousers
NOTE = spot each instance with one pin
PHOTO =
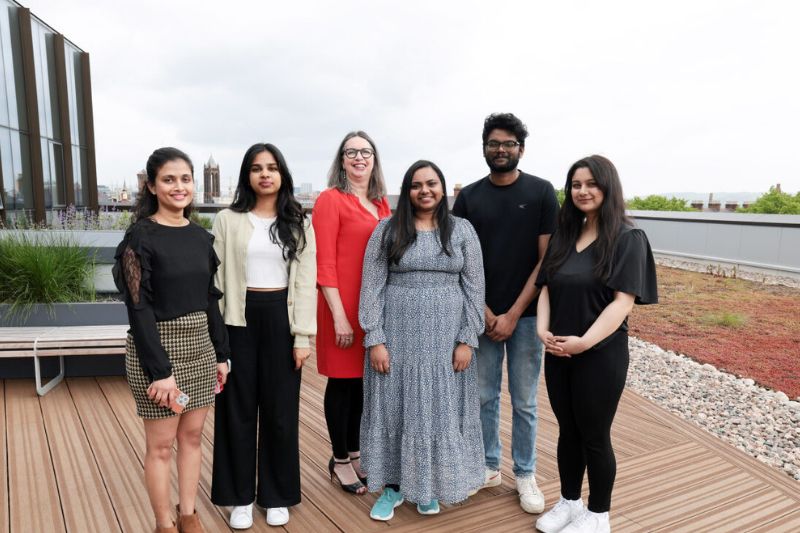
(256, 415)
(584, 392)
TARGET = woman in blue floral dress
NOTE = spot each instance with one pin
(422, 302)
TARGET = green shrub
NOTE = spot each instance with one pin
(724, 319)
(775, 202)
(560, 196)
(203, 222)
(656, 202)
(48, 269)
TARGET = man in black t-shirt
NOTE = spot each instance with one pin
(514, 214)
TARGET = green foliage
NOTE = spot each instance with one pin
(72, 218)
(656, 202)
(724, 319)
(203, 222)
(47, 269)
(560, 196)
(775, 202)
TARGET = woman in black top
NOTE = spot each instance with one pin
(596, 267)
(177, 346)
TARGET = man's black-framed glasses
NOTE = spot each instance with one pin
(352, 153)
(508, 145)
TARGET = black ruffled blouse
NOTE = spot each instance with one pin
(165, 272)
(578, 296)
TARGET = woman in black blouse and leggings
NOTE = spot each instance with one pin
(596, 267)
(177, 346)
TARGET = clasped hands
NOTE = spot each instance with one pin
(563, 346)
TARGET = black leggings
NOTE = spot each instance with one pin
(584, 392)
(344, 401)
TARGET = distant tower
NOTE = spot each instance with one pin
(210, 181)
(141, 177)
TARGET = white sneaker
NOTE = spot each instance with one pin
(241, 517)
(531, 498)
(491, 478)
(277, 516)
(562, 513)
(589, 522)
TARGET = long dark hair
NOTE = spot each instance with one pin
(610, 218)
(288, 228)
(147, 202)
(376, 188)
(400, 231)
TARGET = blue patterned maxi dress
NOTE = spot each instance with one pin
(420, 426)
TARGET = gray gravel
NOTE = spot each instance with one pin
(729, 270)
(761, 422)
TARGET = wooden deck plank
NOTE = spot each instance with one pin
(34, 503)
(346, 511)
(788, 522)
(672, 476)
(741, 514)
(3, 461)
(120, 467)
(84, 499)
(119, 397)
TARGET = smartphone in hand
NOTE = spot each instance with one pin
(179, 403)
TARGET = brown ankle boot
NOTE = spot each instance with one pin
(170, 529)
(189, 523)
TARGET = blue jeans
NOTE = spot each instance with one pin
(524, 351)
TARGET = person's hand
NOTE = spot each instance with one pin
(504, 326)
(550, 346)
(344, 332)
(489, 321)
(222, 373)
(462, 356)
(300, 355)
(570, 345)
(379, 358)
(163, 391)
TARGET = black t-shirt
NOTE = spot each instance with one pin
(578, 296)
(165, 272)
(509, 221)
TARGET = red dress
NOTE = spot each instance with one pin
(342, 227)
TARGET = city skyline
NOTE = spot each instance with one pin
(689, 97)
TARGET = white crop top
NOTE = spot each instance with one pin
(266, 267)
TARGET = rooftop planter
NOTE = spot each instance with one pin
(47, 279)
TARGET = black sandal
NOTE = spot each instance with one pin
(362, 479)
(352, 488)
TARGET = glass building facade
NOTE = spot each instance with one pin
(46, 133)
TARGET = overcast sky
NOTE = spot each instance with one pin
(681, 96)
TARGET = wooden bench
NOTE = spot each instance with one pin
(60, 341)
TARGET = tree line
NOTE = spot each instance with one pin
(773, 202)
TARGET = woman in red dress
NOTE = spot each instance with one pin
(344, 216)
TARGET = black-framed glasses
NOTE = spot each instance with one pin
(508, 145)
(352, 153)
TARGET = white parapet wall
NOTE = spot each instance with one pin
(768, 243)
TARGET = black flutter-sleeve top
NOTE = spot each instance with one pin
(165, 272)
(578, 296)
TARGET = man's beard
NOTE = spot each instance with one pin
(510, 164)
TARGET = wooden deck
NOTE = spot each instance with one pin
(72, 461)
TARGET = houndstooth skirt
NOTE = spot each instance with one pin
(194, 364)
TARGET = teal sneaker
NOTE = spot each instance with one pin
(432, 507)
(383, 509)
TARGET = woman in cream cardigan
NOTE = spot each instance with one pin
(268, 277)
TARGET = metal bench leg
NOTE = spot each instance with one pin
(41, 390)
